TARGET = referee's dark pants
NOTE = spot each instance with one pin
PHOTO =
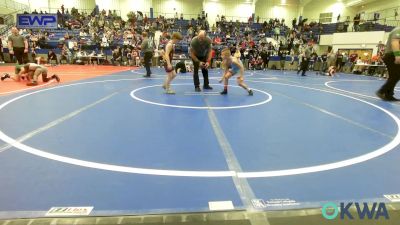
(1, 56)
(147, 62)
(19, 54)
(394, 75)
(304, 66)
(196, 66)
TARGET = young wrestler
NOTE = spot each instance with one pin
(21, 74)
(168, 55)
(33, 70)
(38, 70)
(16, 77)
(232, 66)
(332, 71)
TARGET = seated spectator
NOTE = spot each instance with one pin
(65, 55)
(101, 57)
(80, 57)
(104, 41)
(217, 40)
(258, 63)
(252, 63)
(180, 67)
(133, 58)
(116, 57)
(92, 58)
(51, 56)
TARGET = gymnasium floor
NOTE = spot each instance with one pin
(116, 142)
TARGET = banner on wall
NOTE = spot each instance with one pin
(37, 21)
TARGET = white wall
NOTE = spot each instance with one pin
(108, 4)
(69, 4)
(272, 9)
(127, 6)
(168, 8)
(326, 39)
(314, 8)
(232, 9)
(53, 5)
(358, 37)
(353, 40)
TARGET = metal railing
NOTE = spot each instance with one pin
(171, 15)
(13, 5)
(394, 23)
(388, 13)
(9, 21)
(87, 11)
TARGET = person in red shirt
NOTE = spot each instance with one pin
(213, 54)
(217, 40)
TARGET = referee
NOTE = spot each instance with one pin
(392, 61)
(147, 50)
(305, 59)
(17, 45)
(200, 51)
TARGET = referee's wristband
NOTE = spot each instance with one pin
(396, 53)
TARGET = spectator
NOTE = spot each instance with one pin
(1, 51)
(237, 54)
(356, 21)
(346, 24)
(92, 58)
(116, 57)
(65, 55)
(51, 55)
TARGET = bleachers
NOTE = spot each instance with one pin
(56, 38)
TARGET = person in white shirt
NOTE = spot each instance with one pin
(104, 41)
(217, 20)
